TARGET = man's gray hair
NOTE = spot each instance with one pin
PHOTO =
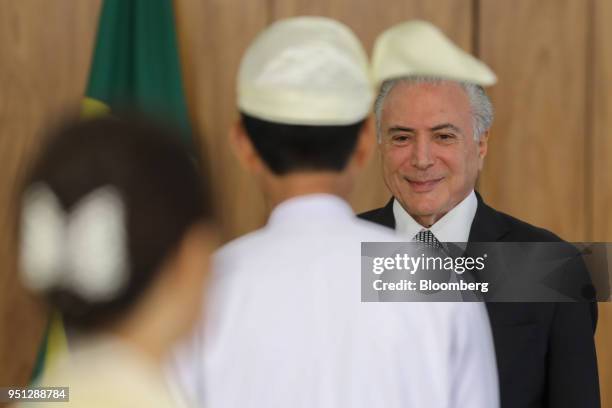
(481, 106)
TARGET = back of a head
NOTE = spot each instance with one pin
(106, 202)
(304, 91)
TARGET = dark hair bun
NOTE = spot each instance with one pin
(160, 185)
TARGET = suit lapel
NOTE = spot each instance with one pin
(488, 225)
(385, 216)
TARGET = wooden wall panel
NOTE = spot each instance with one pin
(600, 163)
(44, 57)
(213, 36)
(601, 153)
(603, 342)
(535, 169)
(368, 19)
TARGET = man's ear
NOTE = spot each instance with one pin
(483, 145)
(366, 141)
(243, 148)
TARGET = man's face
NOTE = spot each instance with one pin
(429, 155)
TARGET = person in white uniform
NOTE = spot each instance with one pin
(285, 325)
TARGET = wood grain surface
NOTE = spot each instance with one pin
(44, 60)
(213, 37)
(535, 169)
(599, 162)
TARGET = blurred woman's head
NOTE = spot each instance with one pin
(116, 226)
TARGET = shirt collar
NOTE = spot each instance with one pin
(310, 207)
(454, 226)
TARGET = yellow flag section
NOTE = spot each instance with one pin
(53, 346)
(92, 108)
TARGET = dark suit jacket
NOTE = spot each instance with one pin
(545, 351)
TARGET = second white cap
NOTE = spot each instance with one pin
(420, 48)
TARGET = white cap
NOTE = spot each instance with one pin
(420, 48)
(306, 71)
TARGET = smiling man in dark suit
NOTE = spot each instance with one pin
(433, 138)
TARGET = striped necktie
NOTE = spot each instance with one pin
(427, 237)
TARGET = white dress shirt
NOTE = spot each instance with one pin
(285, 326)
(454, 226)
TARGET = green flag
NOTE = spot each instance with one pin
(135, 66)
(136, 62)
